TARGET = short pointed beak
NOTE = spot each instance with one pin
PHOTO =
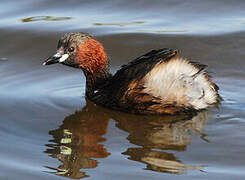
(57, 58)
(51, 60)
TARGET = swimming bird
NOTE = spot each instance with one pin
(156, 83)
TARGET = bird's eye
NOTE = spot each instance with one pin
(71, 49)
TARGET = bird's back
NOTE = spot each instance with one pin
(160, 82)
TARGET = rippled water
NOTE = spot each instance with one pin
(49, 131)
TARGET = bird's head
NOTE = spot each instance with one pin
(79, 50)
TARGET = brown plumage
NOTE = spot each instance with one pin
(159, 82)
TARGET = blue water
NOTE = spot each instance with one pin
(106, 17)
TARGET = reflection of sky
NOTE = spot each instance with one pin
(159, 16)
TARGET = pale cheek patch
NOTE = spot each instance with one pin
(63, 58)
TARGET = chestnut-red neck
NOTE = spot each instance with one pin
(90, 56)
(92, 59)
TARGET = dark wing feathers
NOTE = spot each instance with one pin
(124, 90)
(139, 67)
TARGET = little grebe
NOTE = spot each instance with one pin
(159, 82)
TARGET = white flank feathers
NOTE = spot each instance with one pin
(173, 82)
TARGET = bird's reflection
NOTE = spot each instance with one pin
(159, 134)
(76, 143)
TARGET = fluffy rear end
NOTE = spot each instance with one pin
(181, 83)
